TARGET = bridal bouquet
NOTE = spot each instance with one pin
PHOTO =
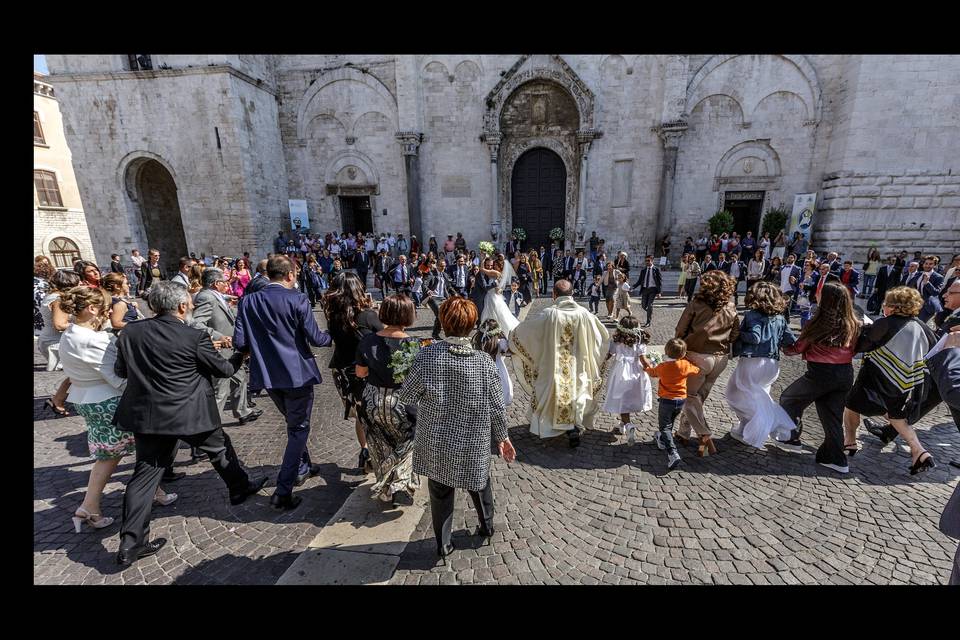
(402, 359)
(487, 247)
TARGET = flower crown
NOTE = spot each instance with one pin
(492, 333)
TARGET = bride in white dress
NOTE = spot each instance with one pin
(495, 306)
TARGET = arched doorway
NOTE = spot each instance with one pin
(156, 192)
(538, 195)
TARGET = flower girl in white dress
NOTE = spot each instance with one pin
(491, 339)
(629, 389)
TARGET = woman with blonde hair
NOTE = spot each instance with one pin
(890, 381)
(709, 325)
(537, 268)
(683, 274)
(196, 278)
(88, 355)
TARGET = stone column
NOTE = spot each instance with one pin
(410, 144)
(584, 138)
(493, 144)
(670, 134)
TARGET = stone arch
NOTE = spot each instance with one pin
(437, 67)
(466, 68)
(777, 94)
(353, 158)
(150, 184)
(356, 122)
(564, 77)
(50, 237)
(610, 64)
(326, 80)
(742, 163)
(798, 61)
(728, 96)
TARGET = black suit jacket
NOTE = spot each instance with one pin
(884, 280)
(452, 274)
(478, 294)
(657, 279)
(169, 366)
(361, 261)
(146, 275)
(812, 289)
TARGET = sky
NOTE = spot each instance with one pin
(40, 63)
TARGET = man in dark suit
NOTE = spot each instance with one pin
(886, 279)
(439, 287)
(151, 271)
(833, 259)
(361, 262)
(546, 261)
(650, 283)
(736, 269)
(722, 264)
(169, 396)
(821, 277)
(401, 275)
(482, 284)
(259, 281)
(568, 264)
(115, 265)
(929, 284)
(276, 326)
(911, 276)
(459, 275)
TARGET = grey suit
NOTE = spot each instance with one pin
(217, 318)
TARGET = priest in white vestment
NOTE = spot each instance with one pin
(557, 357)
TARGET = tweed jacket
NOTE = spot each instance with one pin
(213, 315)
(460, 411)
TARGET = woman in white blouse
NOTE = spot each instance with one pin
(88, 356)
(55, 322)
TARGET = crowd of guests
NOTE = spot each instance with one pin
(229, 330)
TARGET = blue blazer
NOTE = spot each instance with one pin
(277, 327)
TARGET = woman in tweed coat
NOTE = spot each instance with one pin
(460, 411)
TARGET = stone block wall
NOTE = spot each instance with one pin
(905, 210)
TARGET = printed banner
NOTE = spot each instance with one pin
(298, 215)
(804, 205)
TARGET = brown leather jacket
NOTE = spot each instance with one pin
(706, 331)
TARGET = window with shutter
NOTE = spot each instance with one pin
(48, 192)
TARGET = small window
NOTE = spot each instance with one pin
(48, 191)
(139, 61)
(64, 252)
(37, 130)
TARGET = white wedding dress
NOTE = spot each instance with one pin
(495, 306)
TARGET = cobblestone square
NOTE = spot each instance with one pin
(605, 513)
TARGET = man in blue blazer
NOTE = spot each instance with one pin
(276, 327)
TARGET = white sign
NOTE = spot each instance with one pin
(804, 205)
(298, 215)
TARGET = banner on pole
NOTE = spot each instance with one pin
(804, 205)
(298, 215)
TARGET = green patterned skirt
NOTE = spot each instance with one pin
(105, 440)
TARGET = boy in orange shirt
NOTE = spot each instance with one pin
(672, 392)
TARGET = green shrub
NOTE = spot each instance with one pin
(774, 220)
(721, 222)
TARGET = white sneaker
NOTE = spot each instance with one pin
(673, 460)
(835, 467)
(631, 433)
(658, 441)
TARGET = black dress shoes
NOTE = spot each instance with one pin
(314, 471)
(126, 557)
(574, 437)
(445, 550)
(285, 503)
(250, 417)
(173, 476)
(253, 487)
(483, 532)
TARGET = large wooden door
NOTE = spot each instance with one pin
(538, 195)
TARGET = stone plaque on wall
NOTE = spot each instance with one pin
(455, 186)
(622, 182)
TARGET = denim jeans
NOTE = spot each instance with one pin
(667, 411)
(868, 285)
(595, 304)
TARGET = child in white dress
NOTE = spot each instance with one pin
(629, 389)
(491, 339)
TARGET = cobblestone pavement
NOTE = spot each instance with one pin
(603, 513)
(608, 512)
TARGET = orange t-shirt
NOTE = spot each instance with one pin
(673, 376)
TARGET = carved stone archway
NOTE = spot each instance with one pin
(572, 144)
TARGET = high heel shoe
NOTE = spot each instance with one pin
(82, 516)
(166, 500)
(851, 449)
(921, 466)
(364, 459)
(60, 412)
(706, 447)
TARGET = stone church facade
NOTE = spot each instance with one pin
(202, 153)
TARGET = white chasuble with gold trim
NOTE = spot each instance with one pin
(557, 358)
